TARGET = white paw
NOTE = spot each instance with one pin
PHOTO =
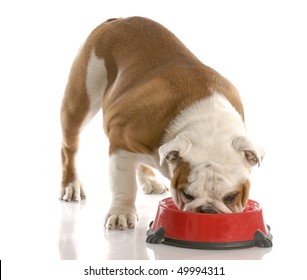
(152, 185)
(72, 192)
(121, 218)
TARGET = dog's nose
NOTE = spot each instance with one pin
(208, 210)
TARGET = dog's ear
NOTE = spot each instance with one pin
(180, 176)
(175, 148)
(237, 201)
(245, 193)
(178, 182)
(253, 154)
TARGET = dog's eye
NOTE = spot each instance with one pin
(188, 196)
(172, 156)
(228, 199)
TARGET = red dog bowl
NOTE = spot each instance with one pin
(209, 231)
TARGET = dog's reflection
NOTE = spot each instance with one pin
(127, 245)
(131, 244)
(68, 247)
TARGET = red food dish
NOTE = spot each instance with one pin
(209, 231)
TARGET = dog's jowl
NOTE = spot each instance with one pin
(162, 109)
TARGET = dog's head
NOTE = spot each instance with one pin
(210, 179)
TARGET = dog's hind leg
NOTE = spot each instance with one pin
(148, 181)
(82, 100)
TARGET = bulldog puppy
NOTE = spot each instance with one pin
(163, 109)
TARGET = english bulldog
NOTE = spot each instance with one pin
(162, 109)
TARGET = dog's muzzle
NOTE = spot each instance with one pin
(209, 210)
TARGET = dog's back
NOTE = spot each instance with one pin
(143, 78)
(143, 58)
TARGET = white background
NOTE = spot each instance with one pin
(260, 46)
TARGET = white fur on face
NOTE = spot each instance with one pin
(203, 135)
(210, 182)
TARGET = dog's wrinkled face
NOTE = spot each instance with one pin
(208, 186)
(203, 189)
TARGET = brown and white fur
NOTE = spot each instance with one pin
(162, 108)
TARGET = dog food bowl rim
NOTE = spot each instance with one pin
(252, 206)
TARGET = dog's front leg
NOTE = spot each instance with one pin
(122, 213)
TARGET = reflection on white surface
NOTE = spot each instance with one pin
(68, 233)
(82, 236)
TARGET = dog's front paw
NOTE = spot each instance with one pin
(72, 192)
(121, 218)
